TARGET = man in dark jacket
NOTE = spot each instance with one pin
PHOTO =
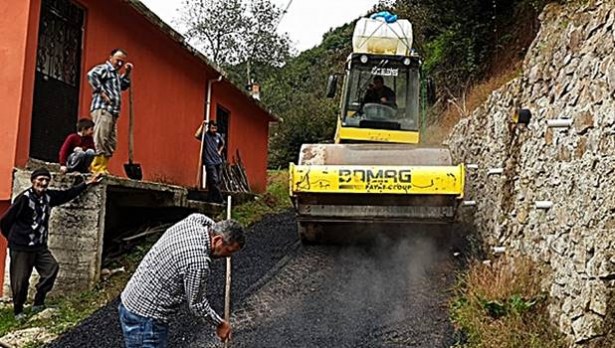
(212, 158)
(378, 92)
(25, 225)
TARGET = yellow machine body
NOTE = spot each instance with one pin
(397, 180)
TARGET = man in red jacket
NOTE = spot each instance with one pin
(77, 152)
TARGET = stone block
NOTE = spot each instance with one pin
(611, 78)
(559, 244)
(598, 298)
(71, 221)
(583, 122)
(565, 324)
(586, 327)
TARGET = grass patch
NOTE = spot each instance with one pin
(501, 305)
(275, 200)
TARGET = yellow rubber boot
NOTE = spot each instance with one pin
(105, 165)
(99, 164)
(95, 165)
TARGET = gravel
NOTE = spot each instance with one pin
(391, 293)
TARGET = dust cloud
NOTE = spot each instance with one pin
(390, 291)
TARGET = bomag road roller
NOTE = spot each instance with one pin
(376, 172)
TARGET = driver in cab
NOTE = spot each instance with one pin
(377, 92)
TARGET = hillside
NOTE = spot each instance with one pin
(463, 43)
(297, 93)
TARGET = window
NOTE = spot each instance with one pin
(384, 94)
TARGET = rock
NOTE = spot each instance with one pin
(598, 299)
(581, 148)
(46, 314)
(23, 337)
(564, 154)
(583, 122)
(611, 78)
(549, 136)
(559, 245)
(575, 41)
(587, 327)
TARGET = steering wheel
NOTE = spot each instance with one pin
(378, 111)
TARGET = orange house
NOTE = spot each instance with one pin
(46, 49)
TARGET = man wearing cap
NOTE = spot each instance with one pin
(25, 226)
(174, 272)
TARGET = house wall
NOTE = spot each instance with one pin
(18, 35)
(4, 205)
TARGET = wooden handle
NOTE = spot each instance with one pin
(199, 172)
(131, 121)
(227, 295)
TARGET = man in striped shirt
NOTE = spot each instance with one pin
(107, 86)
(175, 270)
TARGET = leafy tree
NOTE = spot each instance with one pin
(216, 26)
(296, 92)
(236, 34)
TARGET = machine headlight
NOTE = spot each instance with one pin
(407, 61)
(363, 59)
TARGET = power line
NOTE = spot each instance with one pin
(282, 16)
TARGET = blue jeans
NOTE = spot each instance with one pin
(80, 161)
(142, 332)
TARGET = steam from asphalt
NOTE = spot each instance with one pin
(381, 280)
(362, 296)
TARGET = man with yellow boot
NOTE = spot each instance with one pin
(107, 86)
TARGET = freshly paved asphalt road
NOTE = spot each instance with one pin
(390, 293)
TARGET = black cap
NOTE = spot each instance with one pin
(40, 172)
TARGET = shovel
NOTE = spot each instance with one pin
(133, 170)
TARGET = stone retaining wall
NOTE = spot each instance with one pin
(568, 73)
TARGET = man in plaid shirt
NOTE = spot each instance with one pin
(175, 270)
(107, 86)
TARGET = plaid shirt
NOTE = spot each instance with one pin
(104, 78)
(175, 270)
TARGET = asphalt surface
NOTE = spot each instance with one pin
(389, 293)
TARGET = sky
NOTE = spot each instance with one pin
(305, 22)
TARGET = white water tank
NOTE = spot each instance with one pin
(376, 36)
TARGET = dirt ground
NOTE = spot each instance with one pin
(389, 293)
